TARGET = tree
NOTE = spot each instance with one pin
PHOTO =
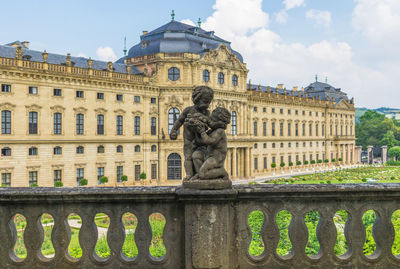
(394, 153)
(282, 164)
(104, 180)
(124, 178)
(83, 182)
(273, 165)
(58, 183)
(298, 163)
(389, 139)
(143, 176)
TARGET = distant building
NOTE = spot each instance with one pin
(67, 118)
(393, 114)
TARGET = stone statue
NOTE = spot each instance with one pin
(205, 142)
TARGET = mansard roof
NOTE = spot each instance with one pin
(8, 51)
(325, 90)
(177, 37)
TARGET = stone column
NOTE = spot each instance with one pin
(384, 154)
(347, 153)
(234, 163)
(370, 154)
(357, 154)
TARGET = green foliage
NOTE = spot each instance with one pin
(305, 162)
(4, 185)
(319, 161)
(340, 159)
(364, 180)
(83, 182)
(273, 165)
(104, 180)
(282, 164)
(298, 163)
(326, 161)
(333, 160)
(255, 221)
(124, 178)
(143, 176)
(393, 163)
(58, 183)
(290, 163)
(312, 161)
(394, 153)
(33, 185)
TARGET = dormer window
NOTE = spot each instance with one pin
(145, 44)
(26, 57)
(234, 80)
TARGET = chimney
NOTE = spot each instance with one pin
(45, 54)
(68, 59)
(90, 62)
(25, 44)
(145, 32)
(280, 86)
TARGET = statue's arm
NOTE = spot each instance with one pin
(180, 121)
(213, 139)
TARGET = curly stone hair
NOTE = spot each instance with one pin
(200, 91)
(222, 114)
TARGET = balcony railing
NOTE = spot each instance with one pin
(204, 229)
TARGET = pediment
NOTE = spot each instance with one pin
(343, 104)
(222, 55)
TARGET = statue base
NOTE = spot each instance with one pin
(210, 184)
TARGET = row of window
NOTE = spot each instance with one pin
(78, 94)
(296, 112)
(174, 75)
(33, 151)
(289, 144)
(57, 123)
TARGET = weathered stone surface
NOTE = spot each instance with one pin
(213, 184)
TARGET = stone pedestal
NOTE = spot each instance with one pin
(209, 236)
(357, 154)
(214, 184)
(384, 154)
(370, 154)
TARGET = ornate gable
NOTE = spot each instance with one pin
(222, 55)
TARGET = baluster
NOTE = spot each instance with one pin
(298, 235)
(88, 234)
(383, 233)
(326, 234)
(33, 235)
(61, 235)
(355, 232)
(143, 236)
(6, 235)
(270, 232)
(115, 233)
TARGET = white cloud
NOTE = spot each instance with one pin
(319, 16)
(106, 54)
(271, 60)
(188, 21)
(82, 55)
(281, 16)
(289, 4)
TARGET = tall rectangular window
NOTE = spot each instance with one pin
(79, 124)
(137, 125)
(137, 172)
(265, 162)
(6, 179)
(119, 125)
(255, 163)
(234, 123)
(100, 173)
(6, 122)
(296, 129)
(264, 128)
(100, 124)
(316, 130)
(79, 175)
(330, 130)
(289, 129)
(33, 177)
(323, 129)
(33, 123)
(153, 126)
(310, 129)
(57, 175)
(255, 128)
(304, 129)
(281, 129)
(273, 128)
(57, 123)
(120, 172)
(153, 171)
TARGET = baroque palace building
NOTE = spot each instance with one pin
(67, 118)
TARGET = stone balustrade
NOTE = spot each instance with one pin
(204, 228)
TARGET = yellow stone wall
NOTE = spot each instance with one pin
(243, 147)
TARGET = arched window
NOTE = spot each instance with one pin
(221, 78)
(173, 115)
(100, 149)
(234, 80)
(153, 148)
(33, 122)
(173, 73)
(100, 124)
(79, 124)
(206, 75)
(137, 125)
(33, 151)
(6, 122)
(174, 164)
(120, 149)
(137, 148)
(80, 149)
(233, 123)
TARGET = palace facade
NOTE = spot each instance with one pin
(66, 118)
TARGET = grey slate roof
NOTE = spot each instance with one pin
(9, 52)
(275, 90)
(177, 37)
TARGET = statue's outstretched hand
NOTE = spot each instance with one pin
(173, 135)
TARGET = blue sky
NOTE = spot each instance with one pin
(352, 42)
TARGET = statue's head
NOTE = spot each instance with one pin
(221, 114)
(202, 97)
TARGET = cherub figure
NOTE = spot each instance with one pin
(216, 141)
(201, 97)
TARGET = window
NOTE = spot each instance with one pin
(79, 94)
(273, 159)
(273, 128)
(281, 111)
(100, 96)
(310, 144)
(80, 150)
(255, 128)
(296, 112)
(33, 122)
(33, 151)
(265, 145)
(136, 99)
(296, 129)
(6, 179)
(265, 162)
(264, 109)
(289, 145)
(137, 172)
(206, 75)
(221, 78)
(119, 97)
(137, 125)
(153, 148)
(153, 171)
(272, 110)
(174, 167)
(273, 145)
(119, 125)
(5, 88)
(100, 124)
(33, 90)
(304, 113)
(173, 74)
(311, 157)
(33, 177)
(255, 109)
(282, 159)
(79, 175)
(289, 112)
(100, 149)
(297, 144)
(255, 145)
(57, 150)
(137, 148)
(6, 151)
(316, 113)
(264, 128)
(255, 163)
(100, 173)
(153, 126)
(57, 92)
(173, 115)
(310, 113)
(57, 175)
(310, 129)
(289, 129)
(120, 149)
(233, 123)
(6, 122)
(79, 124)
(281, 129)
(281, 145)
(120, 172)
(57, 123)
(304, 129)
(153, 100)
(234, 80)
(316, 129)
